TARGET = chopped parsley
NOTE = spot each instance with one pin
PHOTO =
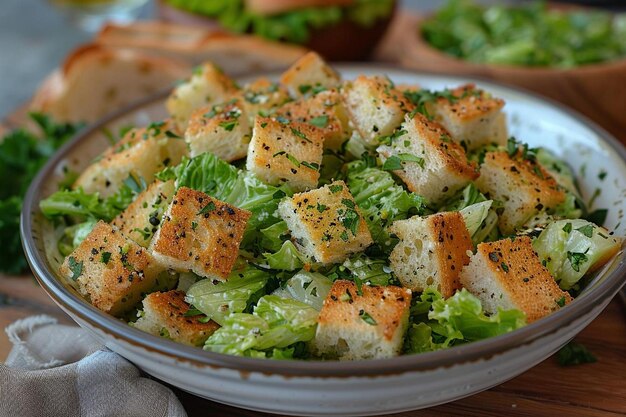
(505, 267)
(394, 163)
(299, 134)
(567, 228)
(228, 125)
(575, 354)
(105, 257)
(75, 267)
(561, 301)
(586, 230)
(319, 121)
(208, 208)
(321, 207)
(312, 165)
(367, 318)
(576, 259)
(335, 188)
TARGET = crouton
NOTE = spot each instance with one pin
(261, 97)
(326, 224)
(508, 274)
(111, 270)
(432, 251)
(221, 129)
(207, 86)
(142, 217)
(309, 75)
(521, 184)
(285, 153)
(471, 116)
(375, 106)
(200, 234)
(325, 111)
(164, 314)
(362, 323)
(431, 163)
(141, 154)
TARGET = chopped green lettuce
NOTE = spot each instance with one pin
(273, 237)
(365, 270)
(275, 323)
(571, 248)
(381, 200)
(84, 206)
(74, 235)
(288, 258)
(459, 319)
(219, 300)
(308, 287)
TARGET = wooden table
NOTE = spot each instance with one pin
(597, 389)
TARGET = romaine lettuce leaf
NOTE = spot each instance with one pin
(571, 248)
(74, 235)
(288, 258)
(459, 319)
(273, 237)
(308, 287)
(83, 206)
(219, 300)
(381, 200)
(365, 270)
(276, 323)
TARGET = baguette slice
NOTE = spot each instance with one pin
(508, 274)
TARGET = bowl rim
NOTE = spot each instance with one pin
(618, 63)
(469, 352)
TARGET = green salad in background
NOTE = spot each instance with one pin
(529, 35)
(291, 26)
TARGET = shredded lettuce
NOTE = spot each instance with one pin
(571, 248)
(84, 206)
(74, 235)
(219, 300)
(438, 323)
(381, 200)
(275, 323)
(308, 287)
(288, 258)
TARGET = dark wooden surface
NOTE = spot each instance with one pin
(597, 389)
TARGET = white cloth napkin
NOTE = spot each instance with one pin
(58, 370)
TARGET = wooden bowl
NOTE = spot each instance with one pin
(597, 90)
(344, 41)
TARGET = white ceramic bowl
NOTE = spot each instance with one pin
(371, 387)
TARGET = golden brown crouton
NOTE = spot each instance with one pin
(261, 97)
(375, 106)
(472, 116)
(207, 86)
(141, 153)
(200, 234)
(432, 251)
(142, 217)
(165, 314)
(508, 274)
(325, 111)
(308, 75)
(288, 152)
(362, 323)
(522, 184)
(326, 224)
(112, 271)
(441, 168)
(221, 129)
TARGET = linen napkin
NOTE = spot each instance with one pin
(58, 370)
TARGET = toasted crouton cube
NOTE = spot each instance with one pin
(431, 163)
(521, 184)
(472, 116)
(141, 154)
(142, 217)
(432, 251)
(111, 270)
(326, 224)
(222, 129)
(261, 97)
(508, 274)
(367, 326)
(308, 75)
(207, 86)
(200, 234)
(376, 107)
(164, 314)
(325, 111)
(285, 153)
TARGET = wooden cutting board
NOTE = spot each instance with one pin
(597, 389)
